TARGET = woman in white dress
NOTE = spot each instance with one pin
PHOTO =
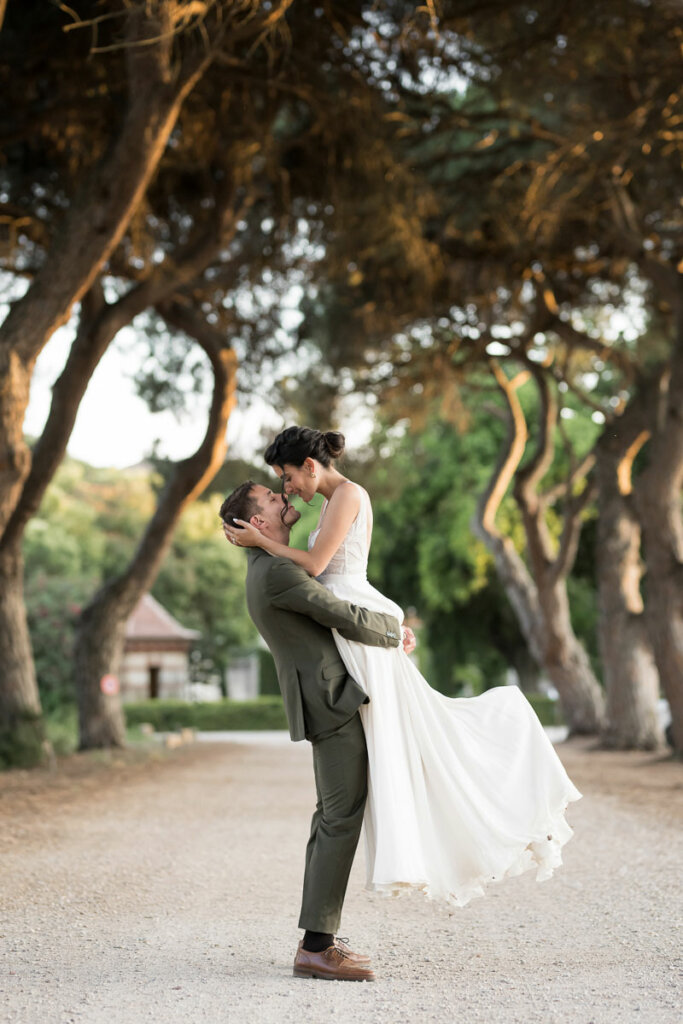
(461, 791)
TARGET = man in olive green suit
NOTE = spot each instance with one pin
(294, 614)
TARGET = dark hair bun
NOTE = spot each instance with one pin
(334, 443)
(295, 444)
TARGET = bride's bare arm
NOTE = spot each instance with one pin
(340, 513)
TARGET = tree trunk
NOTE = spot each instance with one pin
(22, 735)
(89, 233)
(97, 652)
(545, 622)
(630, 674)
(99, 323)
(665, 626)
(658, 497)
(101, 629)
(539, 598)
(565, 661)
(91, 230)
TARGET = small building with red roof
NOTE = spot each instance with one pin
(156, 658)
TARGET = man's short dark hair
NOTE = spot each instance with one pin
(241, 504)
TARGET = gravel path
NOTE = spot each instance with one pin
(165, 888)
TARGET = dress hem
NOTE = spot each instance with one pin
(542, 852)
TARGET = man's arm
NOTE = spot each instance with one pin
(291, 588)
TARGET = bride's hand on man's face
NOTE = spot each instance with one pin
(243, 535)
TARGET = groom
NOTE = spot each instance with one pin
(294, 614)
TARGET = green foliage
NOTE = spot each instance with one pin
(64, 538)
(268, 683)
(310, 513)
(202, 584)
(583, 601)
(424, 555)
(53, 604)
(548, 710)
(265, 713)
(166, 715)
(425, 488)
(22, 741)
(471, 645)
(87, 526)
(576, 429)
(61, 725)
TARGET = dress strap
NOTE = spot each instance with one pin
(323, 509)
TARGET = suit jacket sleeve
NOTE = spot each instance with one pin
(291, 588)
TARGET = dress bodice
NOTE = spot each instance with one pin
(351, 557)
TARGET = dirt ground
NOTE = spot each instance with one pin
(165, 887)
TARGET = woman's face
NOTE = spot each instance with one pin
(299, 480)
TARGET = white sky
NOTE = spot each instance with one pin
(115, 428)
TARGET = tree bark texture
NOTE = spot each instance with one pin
(565, 661)
(22, 737)
(658, 498)
(545, 622)
(539, 595)
(91, 229)
(630, 673)
(100, 632)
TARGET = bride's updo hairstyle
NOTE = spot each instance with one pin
(296, 444)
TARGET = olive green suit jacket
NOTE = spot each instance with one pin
(294, 614)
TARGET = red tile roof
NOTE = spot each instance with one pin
(151, 621)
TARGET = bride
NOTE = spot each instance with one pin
(461, 791)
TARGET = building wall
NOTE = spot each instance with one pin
(173, 679)
(243, 678)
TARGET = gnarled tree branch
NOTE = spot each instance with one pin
(511, 454)
(99, 324)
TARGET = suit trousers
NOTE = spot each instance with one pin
(340, 763)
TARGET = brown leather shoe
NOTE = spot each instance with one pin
(355, 958)
(333, 964)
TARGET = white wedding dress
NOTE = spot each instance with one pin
(461, 791)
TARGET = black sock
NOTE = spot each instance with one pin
(316, 942)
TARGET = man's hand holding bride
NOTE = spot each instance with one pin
(244, 535)
(408, 639)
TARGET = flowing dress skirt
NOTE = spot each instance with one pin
(462, 791)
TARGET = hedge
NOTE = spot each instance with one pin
(264, 713)
(268, 683)
(167, 715)
(547, 709)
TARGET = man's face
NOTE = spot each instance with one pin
(270, 519)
